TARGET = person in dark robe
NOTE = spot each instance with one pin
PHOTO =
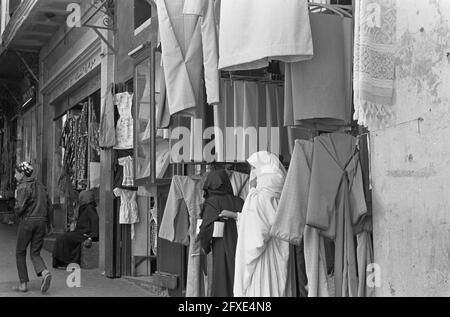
(67, 249)
(219, 198)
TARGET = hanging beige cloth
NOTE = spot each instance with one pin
(252, 32)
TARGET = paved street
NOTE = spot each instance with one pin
(93, 284)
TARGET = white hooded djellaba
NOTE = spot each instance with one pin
(261, 268)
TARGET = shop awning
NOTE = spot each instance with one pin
(33, 24)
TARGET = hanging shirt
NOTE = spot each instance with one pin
(182, 54)
(129, 213)
(128, 171)
(252, 32)
(124, 127)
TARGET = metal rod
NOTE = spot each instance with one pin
(105, 41)
(27, 66)
(98, 27)
(12, 95)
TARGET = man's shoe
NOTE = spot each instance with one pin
(22, 288)
(47, 279)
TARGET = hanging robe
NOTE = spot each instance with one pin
(336, 203)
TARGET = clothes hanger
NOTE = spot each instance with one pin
(337, 10)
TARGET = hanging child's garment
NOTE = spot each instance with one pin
(128, 171)
(129, 213)
(318, 92)
(262, 262)
(218, 197)
(128, 206)
(336, 203)
(252, 32)
(124, 128)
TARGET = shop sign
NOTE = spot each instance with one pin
(77, 75)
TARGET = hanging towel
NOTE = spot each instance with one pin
(374, 62)
(252, 32)
(318, 91)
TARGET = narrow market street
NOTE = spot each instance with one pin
(208, 149)
(93, 284)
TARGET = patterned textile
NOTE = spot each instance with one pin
(74, 140)
(25, 168)
(374, 62)
(68, 139)
(124, 128)
(154, 231)
(81, 150)
(95, 134)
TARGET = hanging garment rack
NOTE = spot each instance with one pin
(341, 10)
(254, 78)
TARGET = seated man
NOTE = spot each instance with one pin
(67, 249)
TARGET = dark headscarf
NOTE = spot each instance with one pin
(217, 183)
(86, 197)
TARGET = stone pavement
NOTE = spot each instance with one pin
(93, 283)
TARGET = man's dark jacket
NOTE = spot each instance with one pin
(32, 200)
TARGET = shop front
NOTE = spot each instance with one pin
(72, 95)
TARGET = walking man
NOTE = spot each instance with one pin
(33, 209)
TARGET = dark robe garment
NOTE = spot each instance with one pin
(67, 247)
(218, 197)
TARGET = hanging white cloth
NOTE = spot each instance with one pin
(252, 32)
(124, 128)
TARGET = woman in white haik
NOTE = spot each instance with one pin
(261, 268)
